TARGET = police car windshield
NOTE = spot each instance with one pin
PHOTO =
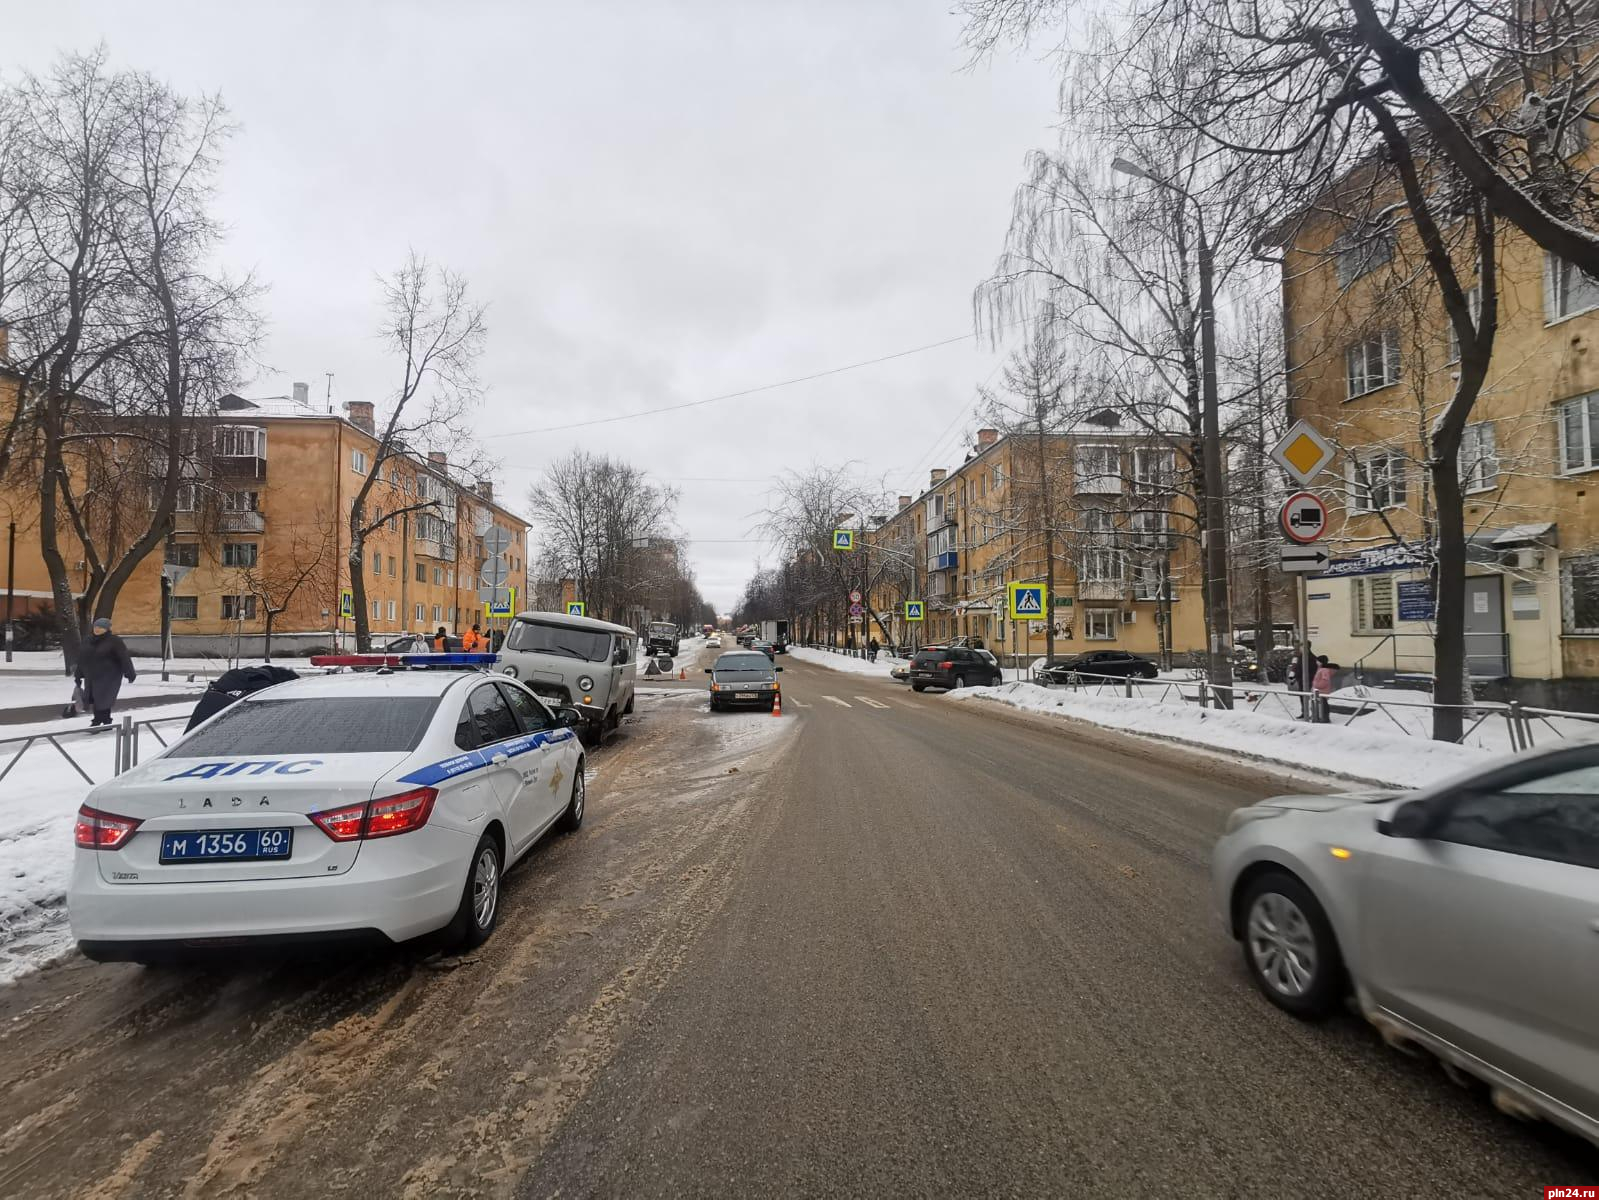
(562, 640)
(314, 725)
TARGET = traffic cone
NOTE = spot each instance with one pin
(682, 673)
(777, 704)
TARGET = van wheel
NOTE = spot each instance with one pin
(628, 711)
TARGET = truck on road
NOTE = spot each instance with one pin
(775, 632)
(661, 637)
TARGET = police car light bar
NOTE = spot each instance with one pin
(402, 660)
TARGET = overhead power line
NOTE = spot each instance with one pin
(765, 387)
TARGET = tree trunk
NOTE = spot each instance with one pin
(363, 630)
(1449, 685)
(266, 648)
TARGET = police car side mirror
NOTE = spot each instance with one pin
(569, 717)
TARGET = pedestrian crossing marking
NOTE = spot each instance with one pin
(837, 701)
(869, 701)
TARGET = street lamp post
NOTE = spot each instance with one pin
(1219, 656)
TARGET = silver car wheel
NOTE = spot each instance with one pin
(486, 887)
(578, 791)
(1282, 945)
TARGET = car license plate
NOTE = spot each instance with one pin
(745, 692)
(232, 845)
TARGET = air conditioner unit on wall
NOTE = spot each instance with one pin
(1129, 615)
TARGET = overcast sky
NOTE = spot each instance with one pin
(659, 202)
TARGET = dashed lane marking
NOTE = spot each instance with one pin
(869, 701)
(799, 704)
(837, 701)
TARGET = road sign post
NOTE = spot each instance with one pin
(1303, 518)
(915, 610)
(1026, 601)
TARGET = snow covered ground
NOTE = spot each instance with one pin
(688, 657)
(25, 691)
(1364, 752)
(48, 662)
(884, 663)
(38, 801)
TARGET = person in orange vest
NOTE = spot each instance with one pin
(441, 639)
(472, 640)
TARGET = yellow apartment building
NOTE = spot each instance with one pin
(1370, 355)
(269, 502)
(1123, 537)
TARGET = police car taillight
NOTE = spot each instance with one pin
(96, 830)
(383, 817)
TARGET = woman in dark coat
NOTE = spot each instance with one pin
(103, 663)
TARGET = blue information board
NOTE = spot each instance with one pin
(1416, 602)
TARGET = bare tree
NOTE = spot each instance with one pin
(436, 334)
(300, 558)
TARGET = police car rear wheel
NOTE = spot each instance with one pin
(480, 899)
(572, 818)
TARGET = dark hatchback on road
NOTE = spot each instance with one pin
(1117, 663)
(952, 667)
(743, 679)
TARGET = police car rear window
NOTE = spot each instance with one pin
(315, 725)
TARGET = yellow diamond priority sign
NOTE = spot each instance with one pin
(1303, 453)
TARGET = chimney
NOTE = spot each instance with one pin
(302, 395)
(359, 414)
(904, 502)
(938, 477)
(986, 438)
(485, 489)
(438, 458)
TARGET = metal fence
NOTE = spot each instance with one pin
(126, 737)
(1525, 727)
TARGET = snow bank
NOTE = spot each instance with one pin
(843, 662)
(1367, 754)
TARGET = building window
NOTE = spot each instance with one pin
(1154, 468)
(1361, 251)
(183, 554)
(1097, 470)
(1579, 594)
(1102, 560)
(1372, 364)
(419, 616)
(438, 613)
(240, 441)
(374, 610)
(1474, 306)
(1372, 603)
(185, 608)
(377, 563)
(1146, 581)
(438, 575)
(1579, 423)
(421, 574)
(449, 576)
(1479, 460)
(1567, 290)
(238, 608)
(241, 501)
(1151, 529)
(393, 567)
(358, 461)
(187, 499)
(390, 607)
(1376, 480)
(239, 554)
(1099, 624)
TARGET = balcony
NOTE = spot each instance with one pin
(946, 561)
(244, 466)
(442, 546)
(1101, 589)
(241, 522)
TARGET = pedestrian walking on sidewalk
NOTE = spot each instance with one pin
(103, 663)
(1322, 684)
(871, 650)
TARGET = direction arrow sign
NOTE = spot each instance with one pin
(1303, 517)
(1303, 453)
(913, 610)
(496, 541)
(1304, 558)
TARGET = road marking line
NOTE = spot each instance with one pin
(799, 704)
(837, 701)
(870, 701)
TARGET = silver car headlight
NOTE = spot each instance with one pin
(585, 684)
(511, 671)
(1240, 817)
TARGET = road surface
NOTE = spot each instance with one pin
(884, 944)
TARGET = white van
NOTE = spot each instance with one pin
(576, 662)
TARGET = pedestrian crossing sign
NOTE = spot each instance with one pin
(346, 604)
(1026, 602)
(574, 608)
(501, 608)
(843, 539)
(914, 610)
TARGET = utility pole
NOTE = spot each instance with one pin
(1046, 514)
(11, 581)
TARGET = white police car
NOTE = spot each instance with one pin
(374, 806)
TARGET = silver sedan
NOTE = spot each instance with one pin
(1463, 919)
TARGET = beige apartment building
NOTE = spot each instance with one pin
(273, 482)
(1123, 535)
(1371, 358)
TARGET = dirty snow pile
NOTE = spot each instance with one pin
(1366, 754)
(843, 662)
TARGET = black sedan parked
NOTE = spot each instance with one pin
(743, 679)
(952, 667)
(1117, 663)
